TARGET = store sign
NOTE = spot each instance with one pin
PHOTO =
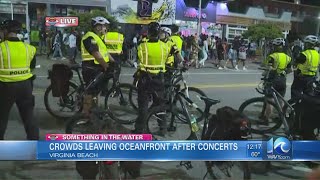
(185, 13)
(17, 9)
(62, 21)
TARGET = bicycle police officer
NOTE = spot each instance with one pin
(307, 67)
(16, 61)
(95, 57)
(280, 64)
(153, 55)
(114, 42)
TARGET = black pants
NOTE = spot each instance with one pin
(90, 71)
(21, 94)
(148, 85)
(300, 85)
(116, 68)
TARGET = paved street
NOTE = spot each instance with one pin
(230, 86)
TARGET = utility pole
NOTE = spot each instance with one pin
(199, 18)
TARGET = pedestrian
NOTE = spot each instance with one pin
(42, 42)
(194, 53)
(204, 50)
(220, 53)
(57, 45)
(242, 55)
(231, 58)
(49, 47)
(72, 47)
(16, 79)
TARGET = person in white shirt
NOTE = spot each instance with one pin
(72, 44)
(26, 37)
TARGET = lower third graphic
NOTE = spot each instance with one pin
(279, 149)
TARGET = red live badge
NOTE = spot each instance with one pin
(62, 21)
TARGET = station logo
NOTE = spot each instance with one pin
(279, 149)
(52, 137)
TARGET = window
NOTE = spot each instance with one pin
(276, 10)
(265, 9)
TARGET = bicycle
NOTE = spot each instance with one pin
(72, 102)
(278, 115)
(175, 80)
(68, 104)
(78, 124)
(196, 134)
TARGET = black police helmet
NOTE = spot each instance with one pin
(11, 26)
(154, 29)
(174, 28)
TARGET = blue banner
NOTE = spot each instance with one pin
(274, 149)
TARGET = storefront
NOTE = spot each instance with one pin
(187, 19)
(15, 11)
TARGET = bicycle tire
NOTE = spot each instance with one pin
(165, 110)
(262, 100)
(121, 88)
(198, 114)
(55, 113)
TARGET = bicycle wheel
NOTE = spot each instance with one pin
(118, 105)
(193, 94)
(176, 129)
(254, 109)
(228, 170)
(63, 107)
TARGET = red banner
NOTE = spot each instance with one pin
(62, 21)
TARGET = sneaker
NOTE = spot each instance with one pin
(220, 68)
(236, 68)
(244, 68)
(63, 58)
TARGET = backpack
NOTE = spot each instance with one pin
(227, 124)
(60, 77)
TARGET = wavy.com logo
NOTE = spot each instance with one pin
(279, 149)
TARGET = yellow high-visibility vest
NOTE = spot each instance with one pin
(86, 56)
(153, 57)
(310, 67)
(15, 60)
(114, 42)
(281, 61)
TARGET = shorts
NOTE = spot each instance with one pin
(279, 84)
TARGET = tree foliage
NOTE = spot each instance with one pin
(266, 30)
(85, 19)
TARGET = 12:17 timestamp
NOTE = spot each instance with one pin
(254, 146)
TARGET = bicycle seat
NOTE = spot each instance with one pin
(75, 66)
(208, 101)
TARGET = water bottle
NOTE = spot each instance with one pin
(194, 125)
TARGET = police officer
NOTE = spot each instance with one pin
(280, 64)
(153, 55)
(176, 37)
(114, 42)
(307, 66)
(95, 57)
(16, 61)
(165, 36)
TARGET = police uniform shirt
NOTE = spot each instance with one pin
(301, 59)
(174, 49)
(91, 45)
(33, 61)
